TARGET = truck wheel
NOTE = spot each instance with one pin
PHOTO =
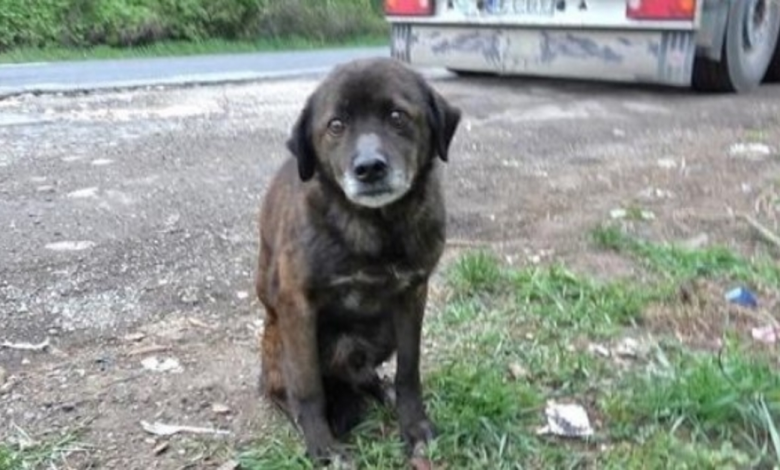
(748, 48)
(773, 72)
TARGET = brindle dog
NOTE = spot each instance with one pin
(351, 229)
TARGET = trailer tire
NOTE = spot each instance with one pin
(748, 49)
(773, 72)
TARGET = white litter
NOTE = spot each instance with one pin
(568, 420)
(162, 429)
(598, 349)
(67, 245)
(750, 150)
(26, 346)
(628, 347)
(766, 334)
(166, 365)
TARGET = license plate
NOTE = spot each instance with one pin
(520, 7)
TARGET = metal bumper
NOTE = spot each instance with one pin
(661, 57)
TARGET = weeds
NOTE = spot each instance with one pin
(43, 452)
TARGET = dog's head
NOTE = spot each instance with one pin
(372, 126)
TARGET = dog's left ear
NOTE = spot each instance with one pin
(300, 143)
(443, 119)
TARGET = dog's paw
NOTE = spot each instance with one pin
(418, 435)
(332, 456)
(341, 461)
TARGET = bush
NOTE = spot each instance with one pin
(123, 23)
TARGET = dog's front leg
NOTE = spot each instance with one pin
(416, 428)
(298, 322)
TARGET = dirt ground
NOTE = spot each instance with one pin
(129, 219)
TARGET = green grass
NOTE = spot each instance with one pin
(508, 340)
(44, 452)
(181, 48)
(678, 264)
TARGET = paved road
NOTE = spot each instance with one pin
(68, 76)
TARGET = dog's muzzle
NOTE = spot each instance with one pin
(371, 180)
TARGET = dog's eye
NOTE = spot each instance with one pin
(398, 118)
(336, 126)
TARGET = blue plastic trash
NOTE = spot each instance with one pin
(742, 296)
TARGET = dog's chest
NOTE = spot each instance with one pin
(372, 290)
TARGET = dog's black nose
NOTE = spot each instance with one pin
(370, 168)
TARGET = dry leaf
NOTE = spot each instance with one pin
(199, 323)
(220, 409)
(517, 371)
(134, 337)
(160, 448)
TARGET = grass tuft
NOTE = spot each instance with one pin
(561, 299)
(476, 272)
(43, 452)
(678, 263)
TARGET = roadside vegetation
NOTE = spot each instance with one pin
(664, 365)
(69, 29)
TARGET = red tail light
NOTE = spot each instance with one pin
(660, 9)
(409, 7)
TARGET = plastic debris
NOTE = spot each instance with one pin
(162, 429)
(618, 213)
(752, 150)
(766, 334)
(219, 408)
(166, 365)
(628, 347)
(633, 214)
(26, 346)
(568, 420)
(742, 296)
(598, 349)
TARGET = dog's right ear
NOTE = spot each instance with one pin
(300, 143)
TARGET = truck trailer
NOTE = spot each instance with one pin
(710, 45)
